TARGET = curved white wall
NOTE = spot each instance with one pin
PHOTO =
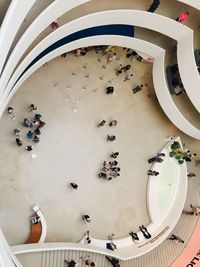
(131, 17)
(15, 15)
(188, 69)
(52, 12)
(105, 18)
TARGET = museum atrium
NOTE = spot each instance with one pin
(100, 133)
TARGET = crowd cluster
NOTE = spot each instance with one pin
(34, 124)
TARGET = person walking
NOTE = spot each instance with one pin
(111, 138)
(176, 238)
(194, 210)
(32, 107)
(183, 17)
(86, 238)
(17, 132)
(11, 112)
(137, 88)
(113, 123)
(134, 236)
(18, 141)
(191, 174)
(114, 155)
(109, 90)
(128, 77)
(29, 134)
(55, 24)
(29, 148)
(36, 139)
(86, 218)
(72, 263)
(101, 124)
(74, 186)
(145, 232)
(153, 173)
(89, 262)
(114, 262)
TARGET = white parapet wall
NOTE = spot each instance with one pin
(15, 15)
(160, 227)
(107, 18)
(51, 13)
(7, 258)
(138, 18)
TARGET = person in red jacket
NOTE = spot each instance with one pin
(183, 17)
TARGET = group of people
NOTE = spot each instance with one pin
(144, 231)
(35, 125)
(194, 210)
(156, 158)
(110, 169)
(90, 263)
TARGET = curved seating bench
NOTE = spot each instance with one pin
(38, 230)
(35, 234)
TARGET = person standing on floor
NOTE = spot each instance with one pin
(128, 77)
(18, 141)
(11, 112)
(145, 232)
(17, 132)
(102, 123)
(89, 262)
(109, 90)
(113, 123)
(114, 155)
(72, 263)
(191, 174)
(29, 148)
(111, 138)
(32, 107)
(176, 238)
(194, 210)
(134, 236)
(86, 218)
(114, 262)
(74, 186)
(138, 88)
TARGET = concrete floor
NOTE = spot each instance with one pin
(72, 148)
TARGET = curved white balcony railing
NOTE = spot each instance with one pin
(160, 227)
(51, 13)
(158, 72)
(15, 15)
(165, 99)
(131, 17)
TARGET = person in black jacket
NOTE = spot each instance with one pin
(145, 232)
(154, 6)
(113, 261)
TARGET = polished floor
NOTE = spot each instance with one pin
(72, 148)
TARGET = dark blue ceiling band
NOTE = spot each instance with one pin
(114, 29)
